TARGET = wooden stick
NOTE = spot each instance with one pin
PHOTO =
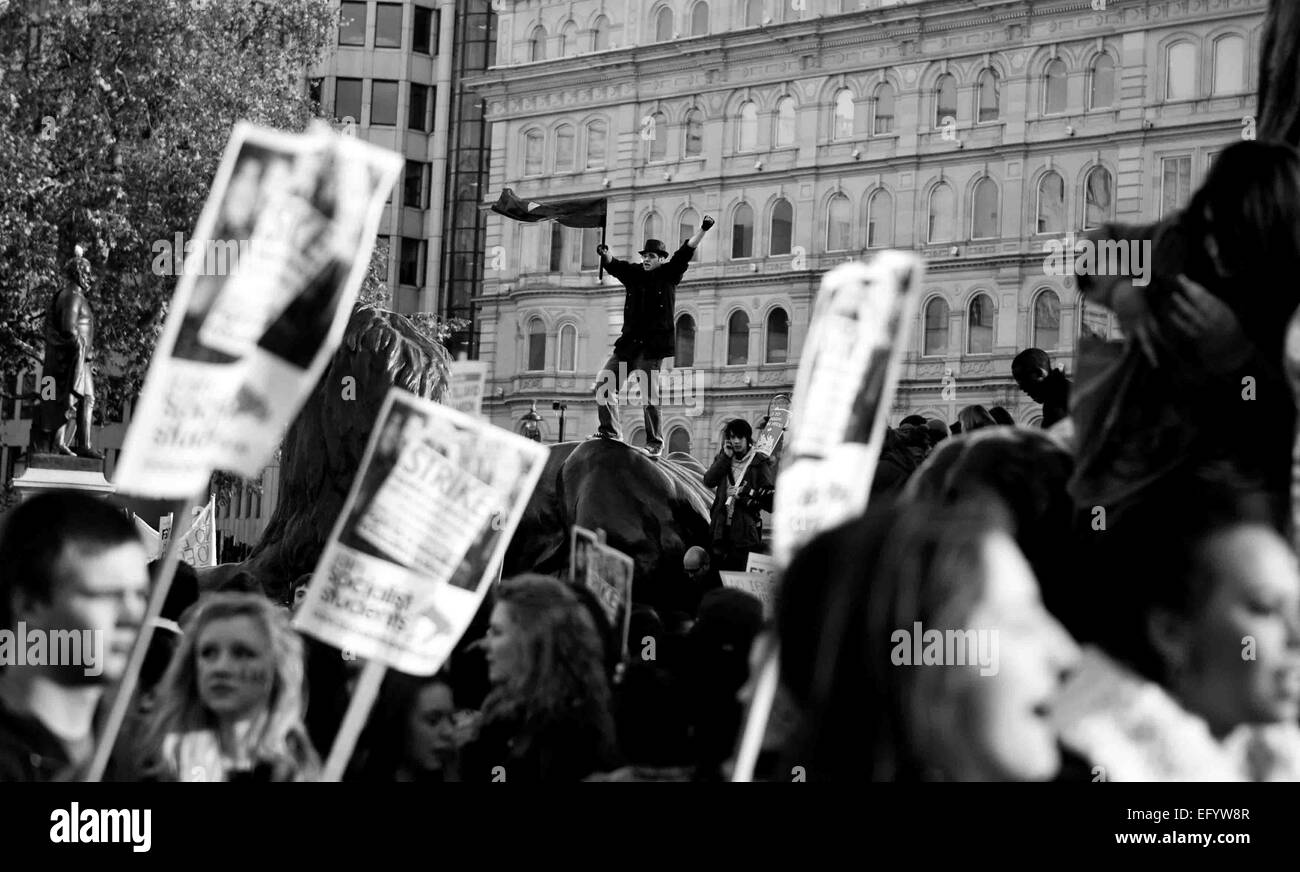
(760, 709)
(363, 700)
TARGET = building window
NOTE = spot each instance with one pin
(742, 232)
(839, 223)
(650, 229)
(1055, 88)
(1047, 321)
(1051, 204)
(590, 239)
(984, 223)
(1101, 83)
(989, 96)
(383, 103)
(658, 136)
(782, 228)
(410, 268)
(700, 19)
(600, 34)
(939, 226)
(884, 120)
(418, 113)
(1097, 198)
(537, 44)
(935, 341)
(425, 38)
(413, 185)
(557, 247)
(778, 336)
(694, 133)
(747, 139)
(738, 339)
(595, 145)
(664, 25)
(880, 220)
(564, 148)
(753, 13)
(1180, 72)
(568, 39)
(1176, 183)
(536, 345)
(679, 441)
(352, 24)
(533, 144)
(684, 351)
(347, 99)
(388, 25)
(568, 348)
(979, 336)
(843, 115)
(1229, 65)
(687, 224)
(785, 122)
(945, 101)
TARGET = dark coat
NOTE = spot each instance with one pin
(746, 528)
(559, 752)
(29, 751)
(648, 308)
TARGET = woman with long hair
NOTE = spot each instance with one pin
(548, 716)
(231, 703)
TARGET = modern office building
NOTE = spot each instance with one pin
(817, 131)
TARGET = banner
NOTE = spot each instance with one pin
(421, 536)
(199, 546)
(589, 212)
(607, 573)
(759, 585)
(468, 384)
(770, 436)
(267, 286)
(153, 541)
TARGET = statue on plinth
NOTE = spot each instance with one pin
(63, 422)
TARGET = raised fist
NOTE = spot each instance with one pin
(602, 250)
(707, 223)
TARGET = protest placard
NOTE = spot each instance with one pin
(153, 542)
(422, 533)
(770, 436)
(468, 383)
(198, 546)
(249, 334)
(607, 573)
(760, 563)
(759, 585)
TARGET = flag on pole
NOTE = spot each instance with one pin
(571, 213)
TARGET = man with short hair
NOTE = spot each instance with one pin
(745, 484)
(69, 563)
(649, 330)
(1032, 370)
(700, 576)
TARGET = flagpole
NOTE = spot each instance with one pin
(603, 221)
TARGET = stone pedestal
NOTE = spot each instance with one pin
(47, 472)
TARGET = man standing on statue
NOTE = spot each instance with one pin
(65, 420)
(648, 330)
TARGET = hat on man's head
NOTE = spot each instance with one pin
(654, 246)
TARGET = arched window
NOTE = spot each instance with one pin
(1055, 91)
(747, 132)
(945, 100)
(568, 348)
(564, 148)
(839, 223)
(679, 440)
(1097, 198)
(600, 33)
(785, 122)
(880, 219)
(843, 115)
(1101, 83)
(742, 232)
(979, 330)
(778, 336)
(652, 227)
(737, 339)
(537, 44)
(687, 225)
(684, 354)
(935, 341)
(568, 39)
(1047, 321)
(989, 96)
(664, 25)
(534, 142)
(595, 145)
(1051, 203)
(637, 438)
(694, 133)
(753, 13)
(1229, 65)
(782, 227)
(984, 222)
(884, 120)
(658, 136)
(1180, 72)
(536, 345)
(940, 221)
(700, 19)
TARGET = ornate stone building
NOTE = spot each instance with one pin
(818, 131)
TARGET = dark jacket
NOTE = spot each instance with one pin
(755, 497)
(648, 308)
(1056, 398)
(894, 468)
(29, 751)
(559, 752)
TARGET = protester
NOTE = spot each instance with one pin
(744, 484)
(895, 466)
(720, 643)
(1002, 416)
(547, 717)
(973, 418)
(230, 707)
(699, 578)
(938, 431)
(414, 732)
(71, 566)
(1033, 372)
(914, 434)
